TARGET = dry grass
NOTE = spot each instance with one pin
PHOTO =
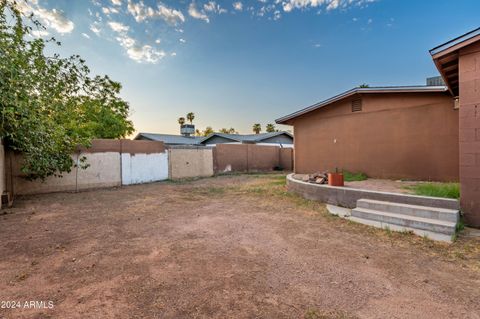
(272, 188)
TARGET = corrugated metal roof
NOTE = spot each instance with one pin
(172, 139)
(198, 140)
(369, 90)
(453, 42)
(247, 137)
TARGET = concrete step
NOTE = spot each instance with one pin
(436, 213)
(392, 227)
(414, 222)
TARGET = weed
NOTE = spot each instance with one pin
(354, 177)
(388, 230)
(446, 190)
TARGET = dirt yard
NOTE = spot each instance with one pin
(225, 247)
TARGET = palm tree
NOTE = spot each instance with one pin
(208, 130)
(364, 85)
(270, 128)
(257, 128)
(228, 130)
(181, 121)
(190, 117)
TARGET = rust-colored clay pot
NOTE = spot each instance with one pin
(335, 179)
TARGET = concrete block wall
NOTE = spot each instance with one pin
(189, 162)
(111, 163)
(348, 197)
(104, 171)
(469, 132)
(251, 158)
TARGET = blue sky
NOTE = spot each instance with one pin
(235, 63)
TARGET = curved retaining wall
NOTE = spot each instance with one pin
(347, 197)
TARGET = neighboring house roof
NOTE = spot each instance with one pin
(445, 57)
(199, 140)
(171, 139)
(254, 138)
(369, 90)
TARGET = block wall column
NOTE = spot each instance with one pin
(469, 134)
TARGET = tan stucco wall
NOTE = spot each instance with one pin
(184, 163)
(104, 171)
(469, 78)
(400, 135)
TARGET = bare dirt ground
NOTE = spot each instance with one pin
(225, 247)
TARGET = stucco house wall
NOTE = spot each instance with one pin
(396, 135)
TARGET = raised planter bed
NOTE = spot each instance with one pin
(347, 197)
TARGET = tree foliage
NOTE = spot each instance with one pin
(270, 128)
(49, 105)
(190, 117)
(228, 131)
(257, 128)
(207, 131)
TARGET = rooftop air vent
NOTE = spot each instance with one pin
(356, 105)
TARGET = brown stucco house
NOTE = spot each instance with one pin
(416, 132)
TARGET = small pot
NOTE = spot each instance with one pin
(335, 179)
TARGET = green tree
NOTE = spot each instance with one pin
(270, 128)
(364, 85)
(228, 131)
(208, 130)
(50, 105)
(181, 121)
(190, 117)
(257, 128)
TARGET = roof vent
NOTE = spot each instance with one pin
(435, 81)
(356, 105)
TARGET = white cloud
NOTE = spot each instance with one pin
(289, 5)
(173, 54)
(145, 54)
(212, 6)
(158, 41)
(171, 16)
(117, 2)
(118, 27)
(142, 12)
(137, 52)
(238, 6)
(196, 14)
(277, 15)
(107, 10)
(95, 28)
(183, 40)
(39, 33)
(86, 35)
(53, 19)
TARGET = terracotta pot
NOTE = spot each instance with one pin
(335, 179)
